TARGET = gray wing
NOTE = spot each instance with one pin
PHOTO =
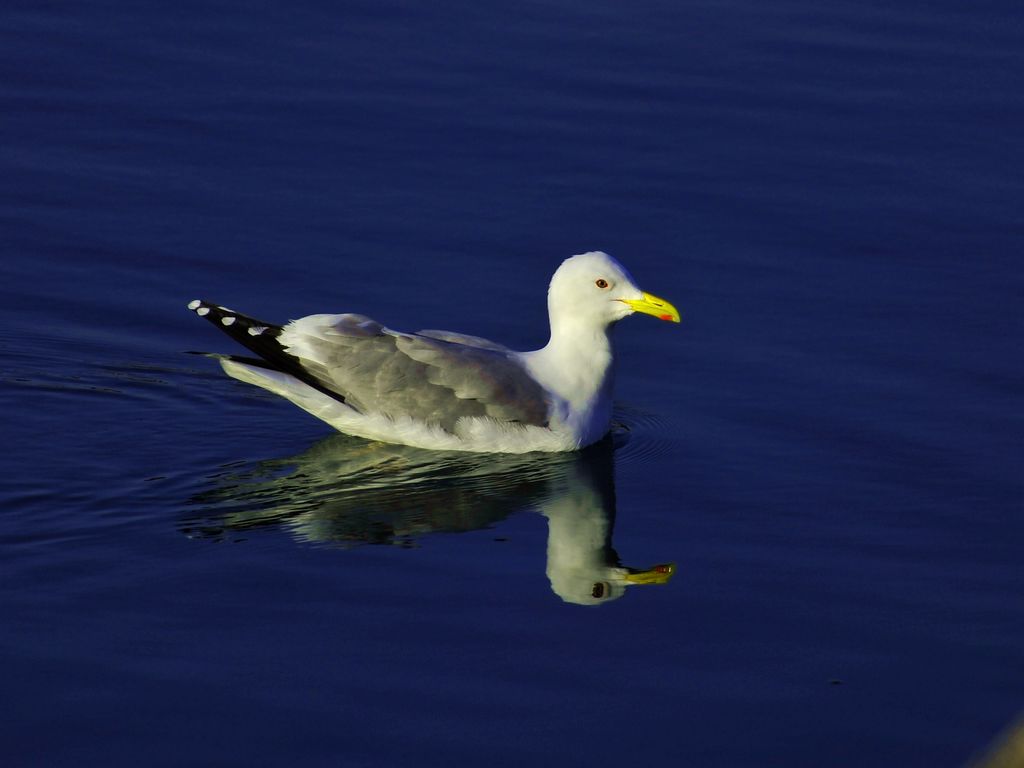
(437, 378)
(462, 338)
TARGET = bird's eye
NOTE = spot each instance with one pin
(601, 283)
(598, 590)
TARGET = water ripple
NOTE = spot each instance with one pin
(640, 436)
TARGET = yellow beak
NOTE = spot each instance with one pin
(652, 305)
(659, 574)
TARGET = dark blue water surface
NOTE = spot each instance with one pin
(829, 448)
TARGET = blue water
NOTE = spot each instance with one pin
(829, 448)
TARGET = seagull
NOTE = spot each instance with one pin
(441, 390)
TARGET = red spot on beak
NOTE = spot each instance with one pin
(664, 317)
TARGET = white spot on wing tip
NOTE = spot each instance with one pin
(256, 330)
(203, 311)
(227, 320)
(195, 304)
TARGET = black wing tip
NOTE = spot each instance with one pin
(233, 323)
(259, 337)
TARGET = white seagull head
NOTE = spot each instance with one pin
(593, 290)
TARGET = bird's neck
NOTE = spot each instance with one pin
(576, 364)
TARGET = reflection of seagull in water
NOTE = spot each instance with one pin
(448, 391)
(351, 492)
(582, 565)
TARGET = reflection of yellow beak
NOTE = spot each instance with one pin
(659, 574)
(652, 305)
